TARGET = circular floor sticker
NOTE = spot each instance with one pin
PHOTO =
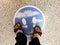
(29, 16)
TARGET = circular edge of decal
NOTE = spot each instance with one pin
(25, 7)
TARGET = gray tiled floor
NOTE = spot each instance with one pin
(51, 10)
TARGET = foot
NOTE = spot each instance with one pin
(18, 28)
(37, 32)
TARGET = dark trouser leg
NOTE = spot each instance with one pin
(35, 41)
(21, 39)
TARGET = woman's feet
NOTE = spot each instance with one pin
(37, 32)
(18, 28)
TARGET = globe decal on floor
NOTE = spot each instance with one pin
(29, 16)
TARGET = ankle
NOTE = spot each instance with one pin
(36, 36)
(19, 31)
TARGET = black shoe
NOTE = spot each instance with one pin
(17, 26)
(37, 29)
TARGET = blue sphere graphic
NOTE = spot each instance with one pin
(29, 16)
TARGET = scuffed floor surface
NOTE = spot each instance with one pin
(51, 10)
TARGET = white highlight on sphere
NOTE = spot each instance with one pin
(26, 13)
(34, 20)
(24, 21)
(25, 26)
(39, 20)
(34, 25)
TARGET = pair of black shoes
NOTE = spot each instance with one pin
(36, 29)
